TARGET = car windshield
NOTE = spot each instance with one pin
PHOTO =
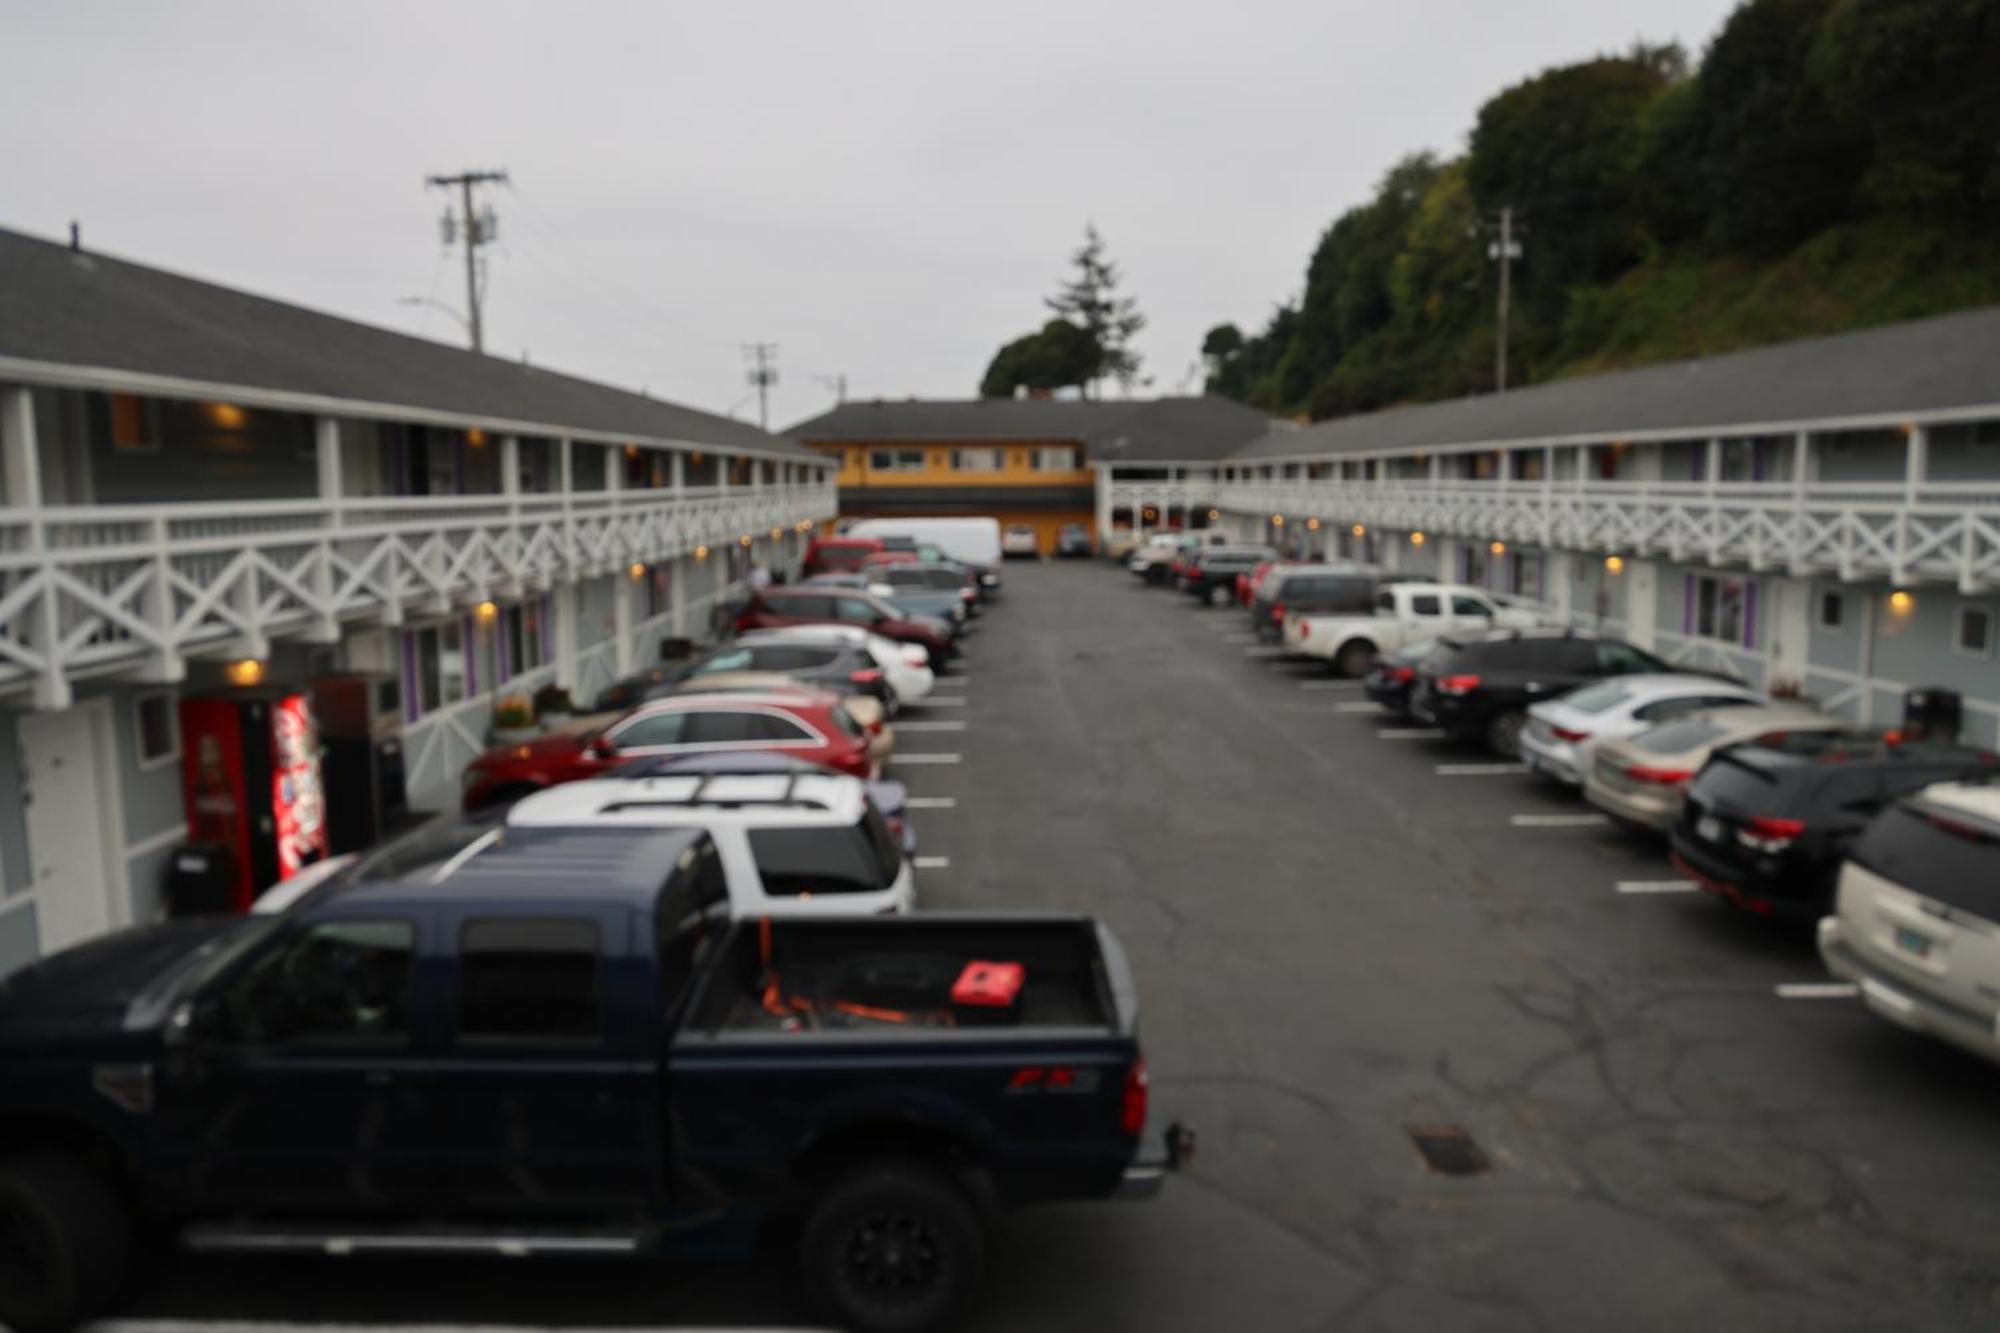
(1939, 853)
(805, 862)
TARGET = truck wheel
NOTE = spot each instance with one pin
(65, 1244)
(1503, 733)
(892, 1248)
(1355, 659)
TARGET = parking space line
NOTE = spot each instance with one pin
(1478, 770)
(932, 862)
(1557, 821)
(1358, 706)
(1657, 886)
(929, 726)
(1818, 990)
(932, 803)
(924, 759)
(951, 680)
(1329, 684)
(1410, 734)
(936, 703)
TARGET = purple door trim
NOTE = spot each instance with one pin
(1687, 606)
(468, 647)
(1749, 613)
(413, 686)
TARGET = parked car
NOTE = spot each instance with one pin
(779, 608)
(1403, 611)
(917, 587)
(808, 726)
(1479, 687)
(1916, 923)
(630, 691)
(1766, 826)
(907, 665)
(1154, 561)
(1563, 734)
(1394, 674)
(837, 555)
(1019, 539)
(892, 798)
(1210, 574)
(866, 710)
(1120, 545)
(1324, 589)
(1072, 540)
(844, 668)
(1641, 780)
(895, 555)
(970, 541)
(792, 844)
(659, 1060)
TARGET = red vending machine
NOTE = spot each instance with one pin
(251, 779)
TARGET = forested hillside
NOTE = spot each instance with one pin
(1832, 163)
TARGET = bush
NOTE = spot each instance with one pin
(553, 699)
(513, 712)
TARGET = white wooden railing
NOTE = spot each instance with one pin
(111, 588)
(1935, 530)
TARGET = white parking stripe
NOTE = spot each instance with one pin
(1329, 684)
(914, 725)
(933, 862)
(1818, 990)
(951, 680)
(1657, 886)
(932, 803)
(1410, 734)
(924, 759)
(936, 703)
(1358, 706)
(1556, 821)
(1478, 770)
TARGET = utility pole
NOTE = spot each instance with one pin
(477, 230)
(837, 383)
(1506, 250)
(762, 375)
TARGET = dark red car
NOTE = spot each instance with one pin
(776, 608)
(837, 555)
(805, 725)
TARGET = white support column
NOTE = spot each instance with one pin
(565, 599)
(614, 486)
(20, 455)
(326, 456)
(1561, 573)
(1916, 465)
(565, 569)
(1106, 473)
(513, 582)
(1801, 464)
(622, 587)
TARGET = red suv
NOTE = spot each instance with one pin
(810, 726)
(776, 608)
(838, 555)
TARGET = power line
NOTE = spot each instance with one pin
(763, 374)
(477, 229)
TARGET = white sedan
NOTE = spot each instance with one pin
(906, 665)
(1563, 734)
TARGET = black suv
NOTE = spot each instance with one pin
(1322, 591)
(1211, 574)
(1479, 687)
(1767, 825)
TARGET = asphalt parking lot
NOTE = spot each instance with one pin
(1341, 935)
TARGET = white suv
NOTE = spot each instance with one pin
(1917, 920)
(792, 844)
(906, 665)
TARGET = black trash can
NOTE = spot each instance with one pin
(201, 880)
(1931, 713)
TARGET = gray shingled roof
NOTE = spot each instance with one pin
(1927, 365)
(1165, 430)
(90, 310)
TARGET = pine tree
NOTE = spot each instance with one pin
(1091, 300)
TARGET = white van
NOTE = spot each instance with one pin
(970, 541)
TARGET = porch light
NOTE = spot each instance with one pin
(487, 613)
(1312, 525)
(226, 415)
(632, 451)
(1901, 602)
(1498, 548)
(247, 672)
(475, 437)
(776, 533)
(701, 553)
(743, 540)
(1359, 529)
(1416, 539)
(1213, 514)
(1615, 563)
(638, 571)
(1150, 514)
(1277, 520)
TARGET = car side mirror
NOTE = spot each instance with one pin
(602, 747)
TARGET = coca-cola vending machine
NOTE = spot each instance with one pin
(251, 779)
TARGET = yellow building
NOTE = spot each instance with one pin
(1033, 461)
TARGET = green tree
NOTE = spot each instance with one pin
(1091, 301)
(1059, 355)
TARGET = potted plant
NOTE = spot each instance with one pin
(513, 720)
(553, 704)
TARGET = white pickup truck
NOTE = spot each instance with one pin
(1404, 613)
(1151, 559)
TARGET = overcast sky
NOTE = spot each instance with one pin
(886, 191)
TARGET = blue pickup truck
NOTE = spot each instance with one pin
(558, 1042)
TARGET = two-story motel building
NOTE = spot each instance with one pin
(203, 486)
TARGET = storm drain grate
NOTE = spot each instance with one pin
(1449, 1150)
